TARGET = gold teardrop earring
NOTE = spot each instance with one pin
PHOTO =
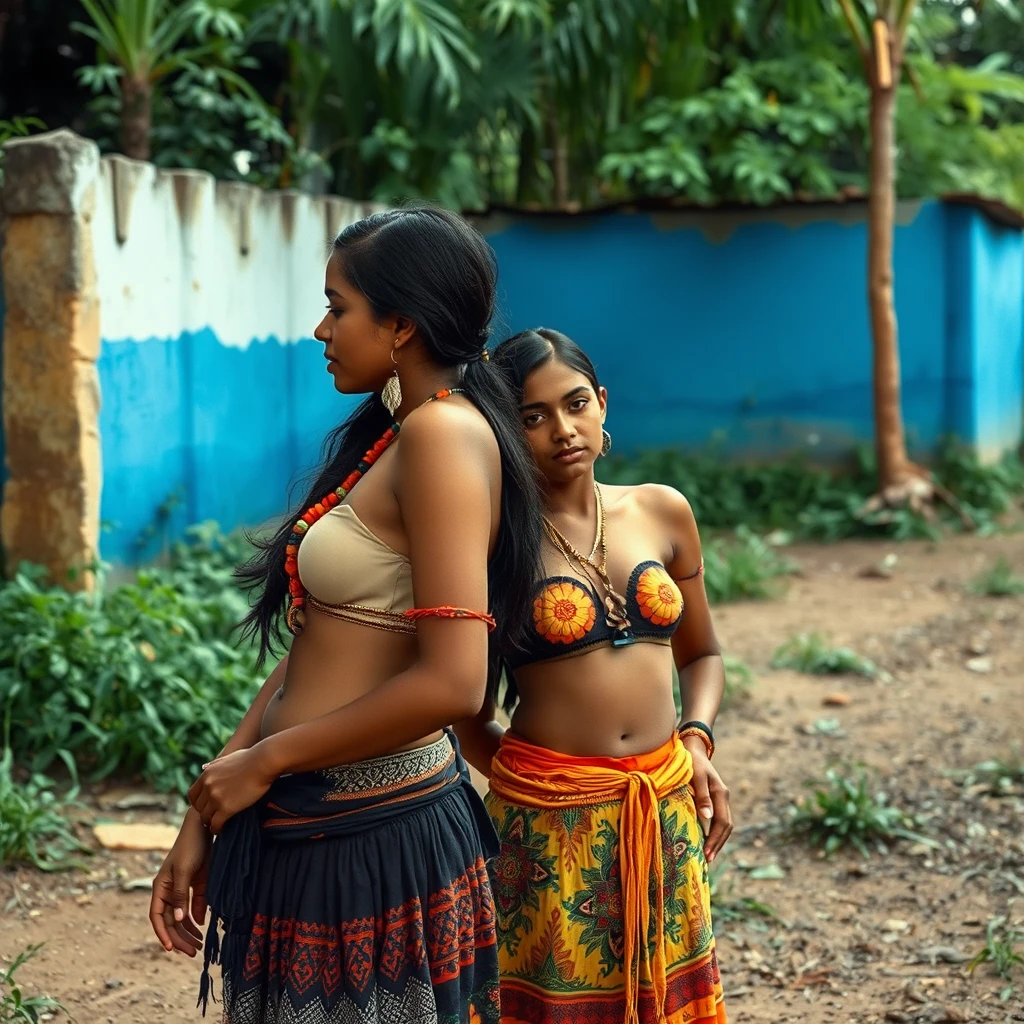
(391, 395)
(606, 442)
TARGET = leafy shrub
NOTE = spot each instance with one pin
(747, 567)
(843, 812)
(144, 677)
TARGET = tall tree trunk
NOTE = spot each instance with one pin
(136, 117)
(894, 466)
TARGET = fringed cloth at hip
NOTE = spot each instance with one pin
(358, 895)
(601, 889)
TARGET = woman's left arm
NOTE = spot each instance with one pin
(698, 659)
(447, 461)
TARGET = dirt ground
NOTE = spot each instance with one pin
(855, 940)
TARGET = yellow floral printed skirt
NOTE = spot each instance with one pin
(572, 904)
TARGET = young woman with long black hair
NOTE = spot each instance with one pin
(349, 870)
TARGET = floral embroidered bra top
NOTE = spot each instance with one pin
(568, 616)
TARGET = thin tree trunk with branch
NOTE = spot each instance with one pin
(890, 441)
(900, 481)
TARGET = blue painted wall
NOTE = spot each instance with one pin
(762, 338)
(750, 329)
(214, 427)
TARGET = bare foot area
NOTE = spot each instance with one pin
(849, 939)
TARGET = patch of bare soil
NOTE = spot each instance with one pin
(851, 939)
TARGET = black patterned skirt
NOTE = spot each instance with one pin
(358, 895)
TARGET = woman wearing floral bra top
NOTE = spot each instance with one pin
(597, 791)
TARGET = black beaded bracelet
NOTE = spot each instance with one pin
(703, 730)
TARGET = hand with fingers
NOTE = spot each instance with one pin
(711, 797)
(177, 909)
(229, 784)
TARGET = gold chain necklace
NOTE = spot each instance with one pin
(614, 602)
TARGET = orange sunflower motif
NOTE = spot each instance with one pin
(658, 596)
(563, 613)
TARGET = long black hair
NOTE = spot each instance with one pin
(516, 358)
(432, 267)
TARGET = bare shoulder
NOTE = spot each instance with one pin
(449, 429)
(664, 504)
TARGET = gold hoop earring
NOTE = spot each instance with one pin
(391, 395)
(606, 442)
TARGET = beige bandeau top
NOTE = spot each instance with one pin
(351, 574)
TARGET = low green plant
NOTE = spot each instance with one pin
(1002, 774)
(726, 906)
(1000, 950)
(810, 652)
(34, 826)
(842, 811)
(14, 1005)
(744, 567)
(145, 677)
(999, 580)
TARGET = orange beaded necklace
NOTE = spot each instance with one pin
(296, 591)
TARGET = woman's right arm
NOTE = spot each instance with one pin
(184, 868)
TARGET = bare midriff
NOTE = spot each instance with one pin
(334, 663)
(611, 702)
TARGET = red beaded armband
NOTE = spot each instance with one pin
(448, 612)
(693, 575)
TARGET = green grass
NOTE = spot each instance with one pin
(744, 567)
(998, 581)
(1000, 951)
(843, 812)
(34, 826)
(811, 653)
(15, 1006)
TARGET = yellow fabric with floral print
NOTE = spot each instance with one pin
(575, 846)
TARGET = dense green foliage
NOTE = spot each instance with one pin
(141, 678)
(477, 102)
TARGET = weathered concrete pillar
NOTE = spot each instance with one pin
(51, 341)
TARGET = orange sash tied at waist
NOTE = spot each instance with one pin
(536, 777)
